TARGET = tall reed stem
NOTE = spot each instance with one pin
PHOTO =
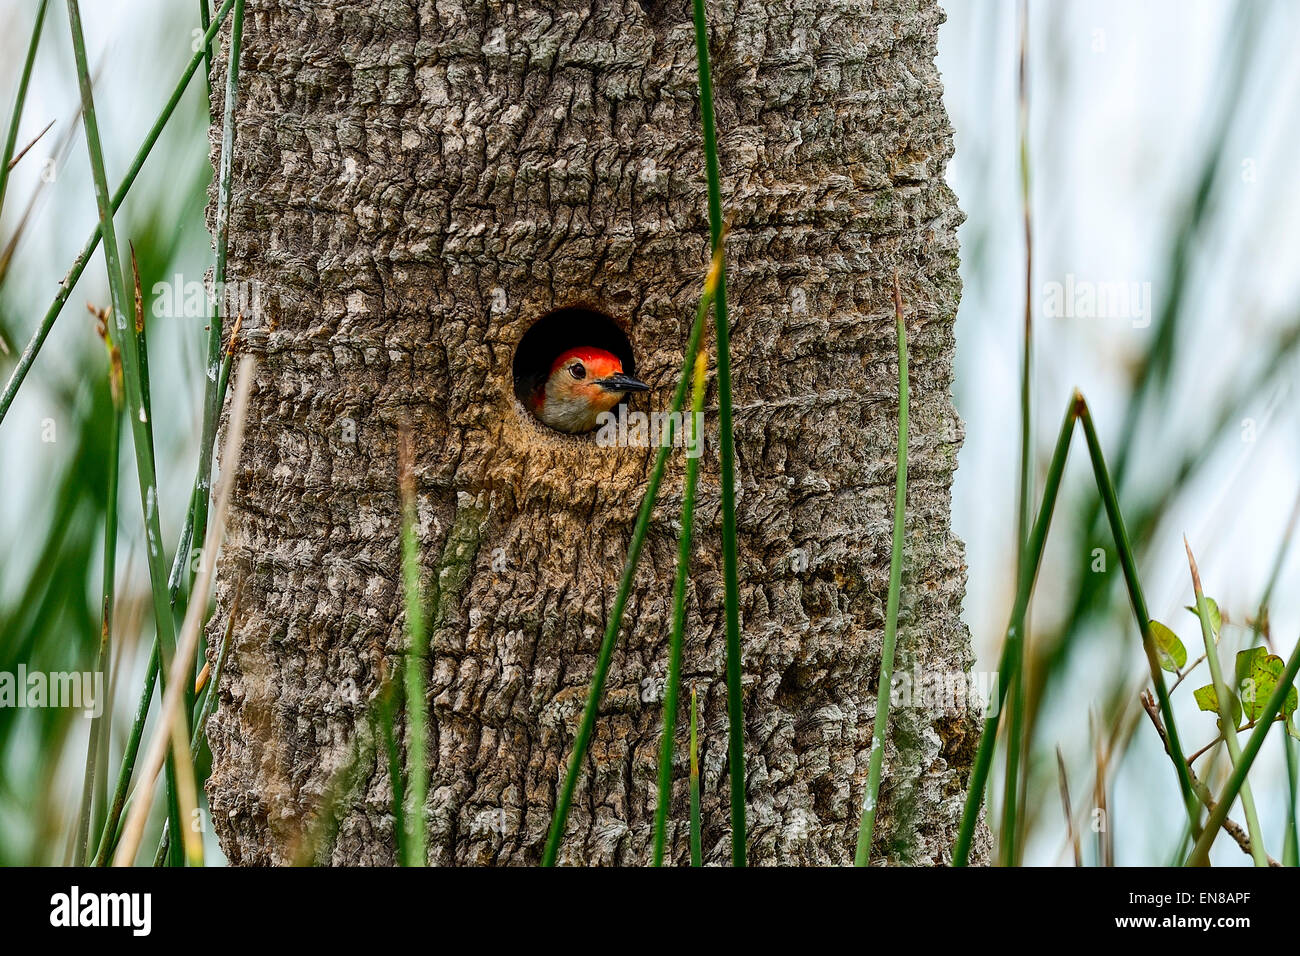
(417, 651)
(1009, 665)
(727, 454)
(560, 818)
(697, 850)
(866, 827)
(1017, 718)
(141, 427)
(679, 609)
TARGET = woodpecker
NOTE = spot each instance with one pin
(583, 382)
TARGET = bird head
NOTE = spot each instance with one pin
(583, 382)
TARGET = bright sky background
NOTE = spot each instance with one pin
(1123, 100)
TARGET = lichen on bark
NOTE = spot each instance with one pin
(415, 183)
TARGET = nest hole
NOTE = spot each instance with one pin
(557, 332)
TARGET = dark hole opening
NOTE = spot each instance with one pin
(557, 332)
(661, 12)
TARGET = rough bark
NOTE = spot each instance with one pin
(417, 182)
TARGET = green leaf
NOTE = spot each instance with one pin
(1216, 619)
(1258, 672)
(1169, 649)
(1206, 699)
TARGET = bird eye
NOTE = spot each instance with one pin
(577, 370)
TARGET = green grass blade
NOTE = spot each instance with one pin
(866, 827)
(1229, 725)
(1009, 663)
(560, 818)
(727, 454)
(1110, 501)
(679, 610)
(1291, 839)
(171, 738)
(1016, 719)
(79, 264)
(209, 702)
(182, 560)
(20, 99)
(142, 348)
(389, 702)
(417, 714)
(215, 322)
(96, 752)
(111, 832)
(205, 21)
(131, 367)
(697, 853)
(183, 554)
(1291, 846)
(1200, 855)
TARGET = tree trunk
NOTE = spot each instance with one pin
(416, 184)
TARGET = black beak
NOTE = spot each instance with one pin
(622, 383)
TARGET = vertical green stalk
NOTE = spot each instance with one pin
(1110, 501)
(1291, 846)
(565, 799)
(1016, 719)
(1291, 838)
(171, 739)
(417, 715)
(209, 702)
(727, 454)
(205, 20)
(1227, 721)
(679, 609)
(866, 827)
(20, 98)
(108, 833)
(97, 746)
(140, 425)
(389, 702)
(182, 558)
(697, 852)
(79, 264)
(211, 390)
(1009, 664)
(142, 346)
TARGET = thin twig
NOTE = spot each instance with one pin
(36, 139)
(1065, 805)
(1232, 828)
